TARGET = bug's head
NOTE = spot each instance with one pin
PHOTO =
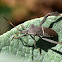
(25, 32)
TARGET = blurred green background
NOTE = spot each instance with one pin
(18, 11)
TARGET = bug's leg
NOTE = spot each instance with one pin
(11, 23)
(26, 44)
(49, 14)
(51, 41)
(15, 35)
(34, 41)
(35, 45)
(40, 50)
(20, 36)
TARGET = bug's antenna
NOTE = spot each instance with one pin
(11, 23)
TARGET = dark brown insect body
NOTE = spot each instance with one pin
(39, 31)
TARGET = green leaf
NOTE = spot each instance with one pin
(49, 52)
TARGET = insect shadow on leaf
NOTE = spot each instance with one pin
(39, 31)
(57, 51)
(51, 25)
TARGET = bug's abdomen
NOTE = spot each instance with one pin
(48, 32)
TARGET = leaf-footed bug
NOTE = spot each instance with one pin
(38, 30)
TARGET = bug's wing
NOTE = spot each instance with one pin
(48, 32)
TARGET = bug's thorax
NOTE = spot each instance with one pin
(34, 30)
